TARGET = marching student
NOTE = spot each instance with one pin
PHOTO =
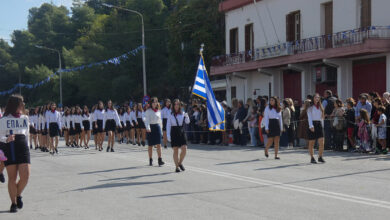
(273, 125)
(176, 134)
(33, 127)
(87, 124)
(53, 122)
(78, 126)
(153, 127)
(129, 125)
(39, 130)
(141, 130)
(134, 122)
(17, 153)
(165, 112)
(65, 126)
(121, 129)
(315, 115)
(71, 126)
(110, 121)
(44, 129)
(99, 117)
(94, 127)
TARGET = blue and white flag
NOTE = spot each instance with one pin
(202, 88)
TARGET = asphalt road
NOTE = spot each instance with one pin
(219, 183)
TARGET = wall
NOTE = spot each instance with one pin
(346, 16)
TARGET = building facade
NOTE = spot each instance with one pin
(292, 48)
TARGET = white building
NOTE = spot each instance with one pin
(292, 48)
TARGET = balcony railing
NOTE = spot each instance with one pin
(341, 39)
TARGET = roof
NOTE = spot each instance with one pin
(229, 5)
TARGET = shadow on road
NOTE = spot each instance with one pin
(238, 162)
(113, 185)
(136, 177)
(111, 170)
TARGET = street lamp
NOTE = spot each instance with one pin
(143, 39)
(59, 68)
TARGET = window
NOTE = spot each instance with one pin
(293, 26)
(249, 35)
(233, 92)
(234, 41)
(365, 13)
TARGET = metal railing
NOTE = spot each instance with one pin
(337, 40)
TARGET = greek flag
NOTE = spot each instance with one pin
(202, 88)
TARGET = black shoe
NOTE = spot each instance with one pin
(100, 149)
(13, 208)
(108, 149)
(277, 158)
(165, 147)
(150, 162)
(72, 145)
(2, 178)
(143, 143)
(56, 151)
(313, 160)
(46, 150)
(182, 167)
(30, 146)
(139, 144)
(36, 148)
(19, 202)
(266, 155)
(160, 162)
(112, 150)
(320, 159)
(177, 170)
(42, 149)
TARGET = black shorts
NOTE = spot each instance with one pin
(318, 131)
(100, 126)
(54, 130)
(165, 120)
(86, 125)
(110, 125)
(19, 153)
(274, 128)
(141, 124)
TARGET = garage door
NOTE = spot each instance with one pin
(292, 84)
(369, 75)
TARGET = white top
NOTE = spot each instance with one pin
(132, 116)
(65, 121)
(111, 115)
(42, 121)
(272, 114)
(75, 119)
(171, 121)
(140, 114)
(26, 132)
(152, 117)
(34, 121)
(165, 112)
(98, 115)
(127, 118)
(53, 117)
(383, 117)
(314, 114)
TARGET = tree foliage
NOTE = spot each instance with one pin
(89, 32)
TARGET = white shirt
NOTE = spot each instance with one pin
(75, 119)
(127, 118)
(65, 121)
(53, 118)
(98, 115)
(151, 118)
(314, 114)
(122, 118)
(111, 115)
(133, 118)
(171, 121)
(34, 121)
(26, 132)
(272, 114)
(165, 112)
(140, 114)
(42, 121)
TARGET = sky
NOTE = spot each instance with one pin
(14, 13)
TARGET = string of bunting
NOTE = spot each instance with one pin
(114, 60)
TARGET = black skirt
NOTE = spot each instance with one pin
(94, 129)
(141, 124)
(86, 125)
(178, 137)
(44, 130)
(154, 136)
(72, 130)
(77, 128)
(19, 153)
(100, 126)
(165, 120)
(274, 128)
(128, 126)
(110, 125)
(54, 130)
(318, 131)
(33, 131)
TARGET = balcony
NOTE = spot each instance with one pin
(314, 44)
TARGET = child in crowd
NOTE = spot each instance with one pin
(382, 129)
